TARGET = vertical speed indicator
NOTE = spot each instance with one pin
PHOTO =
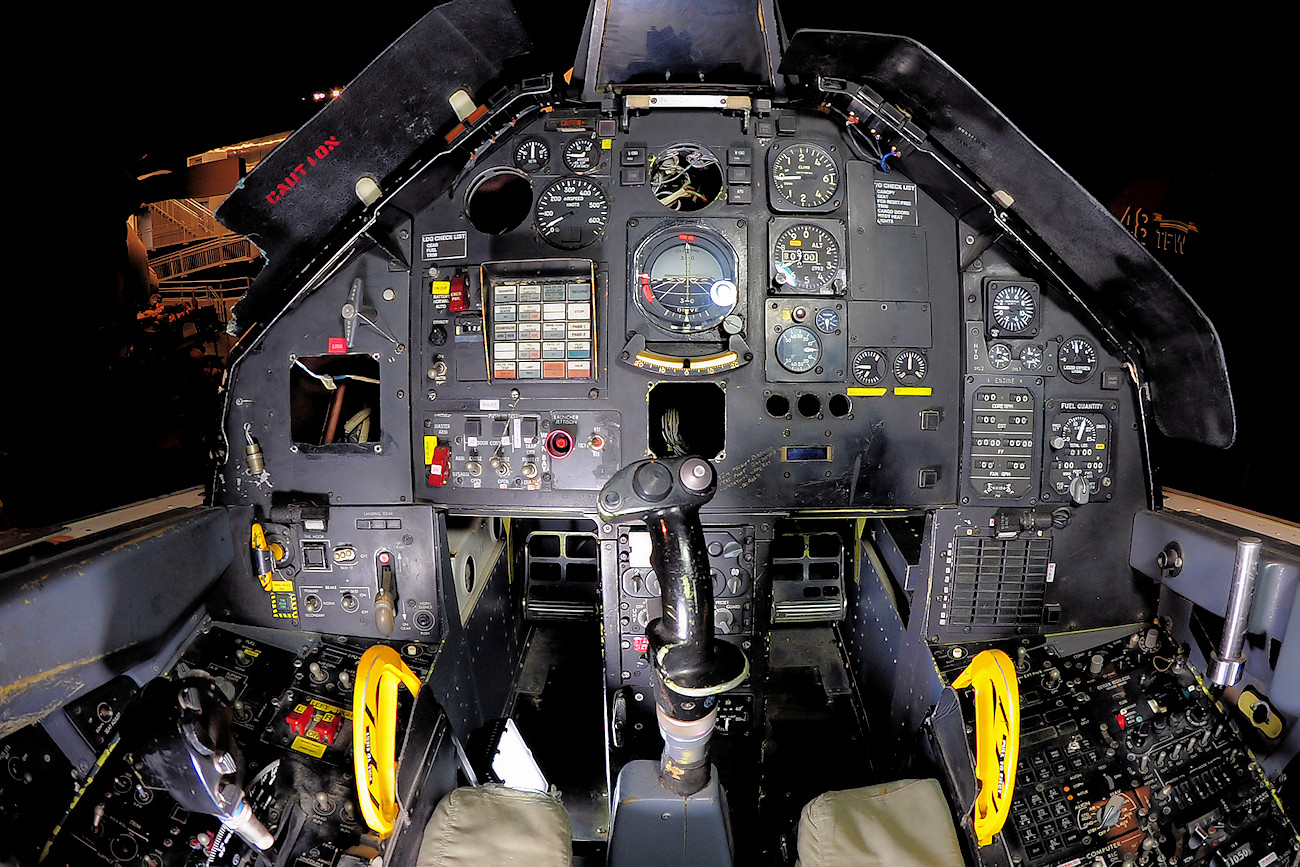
(805, 177)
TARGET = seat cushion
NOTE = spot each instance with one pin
(481, 825)
(900, 824)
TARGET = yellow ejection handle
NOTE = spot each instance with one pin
(997, 737)
(263, 557)
(374, 734)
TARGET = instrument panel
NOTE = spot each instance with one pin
(766, 278)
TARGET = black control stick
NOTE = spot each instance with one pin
(189, 749)
(691, 668)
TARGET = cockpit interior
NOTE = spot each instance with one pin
(737, 417)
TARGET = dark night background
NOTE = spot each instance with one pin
(1121, 102)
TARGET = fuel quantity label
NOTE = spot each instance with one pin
(1002, 442)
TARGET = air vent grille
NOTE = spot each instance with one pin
(998, 582)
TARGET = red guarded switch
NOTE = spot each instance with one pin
(327, 726)
(300, 718)
(457, 298)
(440, 469)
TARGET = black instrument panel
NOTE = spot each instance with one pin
(803, 305)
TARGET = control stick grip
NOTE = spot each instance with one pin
(691, 668)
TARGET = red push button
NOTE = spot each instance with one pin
(559, 443)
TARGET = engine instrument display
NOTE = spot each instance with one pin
(684, 278)
(806, 257)
(869, 367)
(582, 154)
(910, 366)
(532, 155)
(571, 213)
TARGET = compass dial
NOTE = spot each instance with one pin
(1014, 308)
(805, 257)
(869, 367)
(684, 278)
(1077, 359)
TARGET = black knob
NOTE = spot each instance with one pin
(652, 482)
(438, 335)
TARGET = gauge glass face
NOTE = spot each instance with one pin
(805, 257)
(1014, 308)
(805, 176)
(532, 155)
(910, 365)
(571, 213)
(685, 279)
(582, 154)
(1000, 356)
(1081, 433)
(798, 349)
(869, 367)
(827, 320)
(1031, 357)
(1077, 359)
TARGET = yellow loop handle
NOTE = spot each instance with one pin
(374, 734)
(997, 737)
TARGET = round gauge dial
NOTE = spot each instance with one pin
(684, 278)
(532, 155)
(582, 154)
(805, 257)
(1077, 359)
(1014, 308)
(571, 213)
(869, 367)
(1079, 432)
(910, 365)
(999, 356)
(798, 349)
(1031, 357)
(827, 320)
(805, 176)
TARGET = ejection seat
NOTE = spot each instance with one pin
(905, 823)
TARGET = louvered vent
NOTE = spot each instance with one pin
(998, 582)
(563, 575)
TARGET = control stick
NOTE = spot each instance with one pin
(691, 669)
(189, 749)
